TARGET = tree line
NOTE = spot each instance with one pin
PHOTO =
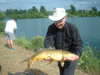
(43, 13)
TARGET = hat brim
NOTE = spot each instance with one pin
(57, 18)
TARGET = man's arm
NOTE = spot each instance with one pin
(77, 43)
(48, 42)
(49, 39)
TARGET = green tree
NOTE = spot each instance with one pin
(80, 11)
(2, 23)
(2, 16)
(43, 10)
(73, 9)
(30, 11)
(91, 13)
(2, 26)
(9, 11)
(15, 11)
(21, 11)
(84, 11)
(94, 9)
(34, 9)
(99, 13)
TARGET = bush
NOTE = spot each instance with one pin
(23, 42)
(2, 23)
(2, 26)
(2, 16)
(34, 44)
(37, 42)
(89, 61)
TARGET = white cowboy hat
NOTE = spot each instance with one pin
(58, 14)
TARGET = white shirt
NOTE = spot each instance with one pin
(10, 26)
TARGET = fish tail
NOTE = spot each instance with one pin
(30, 62)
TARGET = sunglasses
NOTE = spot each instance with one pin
(59, 21)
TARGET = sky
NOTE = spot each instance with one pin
(49, 4)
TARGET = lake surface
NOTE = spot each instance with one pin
(89, 28)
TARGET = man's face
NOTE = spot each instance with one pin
(60, 24)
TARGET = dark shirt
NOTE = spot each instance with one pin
(67, 39)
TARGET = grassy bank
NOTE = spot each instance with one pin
(89, 62)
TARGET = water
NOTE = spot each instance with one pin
(32, 27)
(89, 28)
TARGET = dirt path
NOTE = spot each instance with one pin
(11, 61)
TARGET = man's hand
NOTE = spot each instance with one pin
(14, 30)
(74, 58)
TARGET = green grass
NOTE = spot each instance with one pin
(1, 33)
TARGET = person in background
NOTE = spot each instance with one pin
(10, 29)
(65, 36)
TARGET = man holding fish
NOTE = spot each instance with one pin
(65, 36)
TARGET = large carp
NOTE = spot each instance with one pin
(55, 55)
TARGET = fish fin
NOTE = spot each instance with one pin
(62, 62)
(51, 60)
